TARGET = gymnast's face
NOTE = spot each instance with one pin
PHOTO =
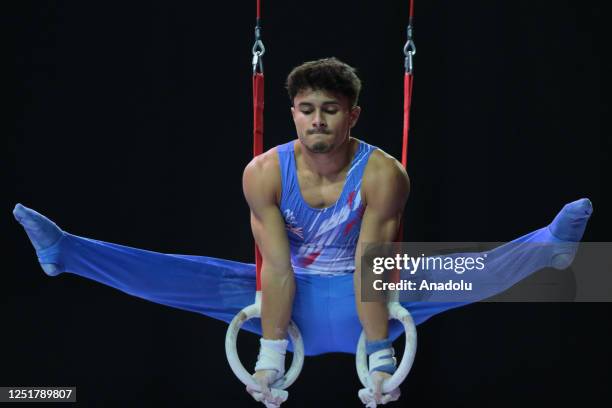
(323, 120)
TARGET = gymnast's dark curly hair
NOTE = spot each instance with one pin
(327, 74)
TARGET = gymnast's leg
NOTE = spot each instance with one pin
(214, 287)
(552, 246)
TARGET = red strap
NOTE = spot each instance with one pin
(408, 78)
(408, 81)
(258, 108)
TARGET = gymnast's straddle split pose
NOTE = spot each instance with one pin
(313, 201)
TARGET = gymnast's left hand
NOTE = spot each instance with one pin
(376, 380)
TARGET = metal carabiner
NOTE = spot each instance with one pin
(409, 51)
(257, 56)
(258, 51)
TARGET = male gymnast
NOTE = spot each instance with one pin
(313, 201)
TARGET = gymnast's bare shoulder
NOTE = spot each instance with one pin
(384, 180)
(261, 179)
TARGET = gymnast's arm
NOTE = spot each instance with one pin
(385, 189)
(261, 185)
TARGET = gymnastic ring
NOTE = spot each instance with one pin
(231, 351)
(396, 311)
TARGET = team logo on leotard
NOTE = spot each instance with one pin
(291, 224)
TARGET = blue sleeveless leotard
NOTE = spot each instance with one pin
(322, 240)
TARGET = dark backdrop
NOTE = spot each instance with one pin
(133, 124)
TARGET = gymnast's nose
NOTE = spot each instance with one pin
(318, 121)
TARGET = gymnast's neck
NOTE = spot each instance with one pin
(327, 165)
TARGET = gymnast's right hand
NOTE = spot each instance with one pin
(264, 378)
(269, 368)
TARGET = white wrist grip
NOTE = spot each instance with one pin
(272, 355)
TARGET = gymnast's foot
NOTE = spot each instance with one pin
(568, 226)
(43, 234)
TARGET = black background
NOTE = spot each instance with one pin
(133, 125)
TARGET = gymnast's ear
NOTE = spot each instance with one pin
(354, 115)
